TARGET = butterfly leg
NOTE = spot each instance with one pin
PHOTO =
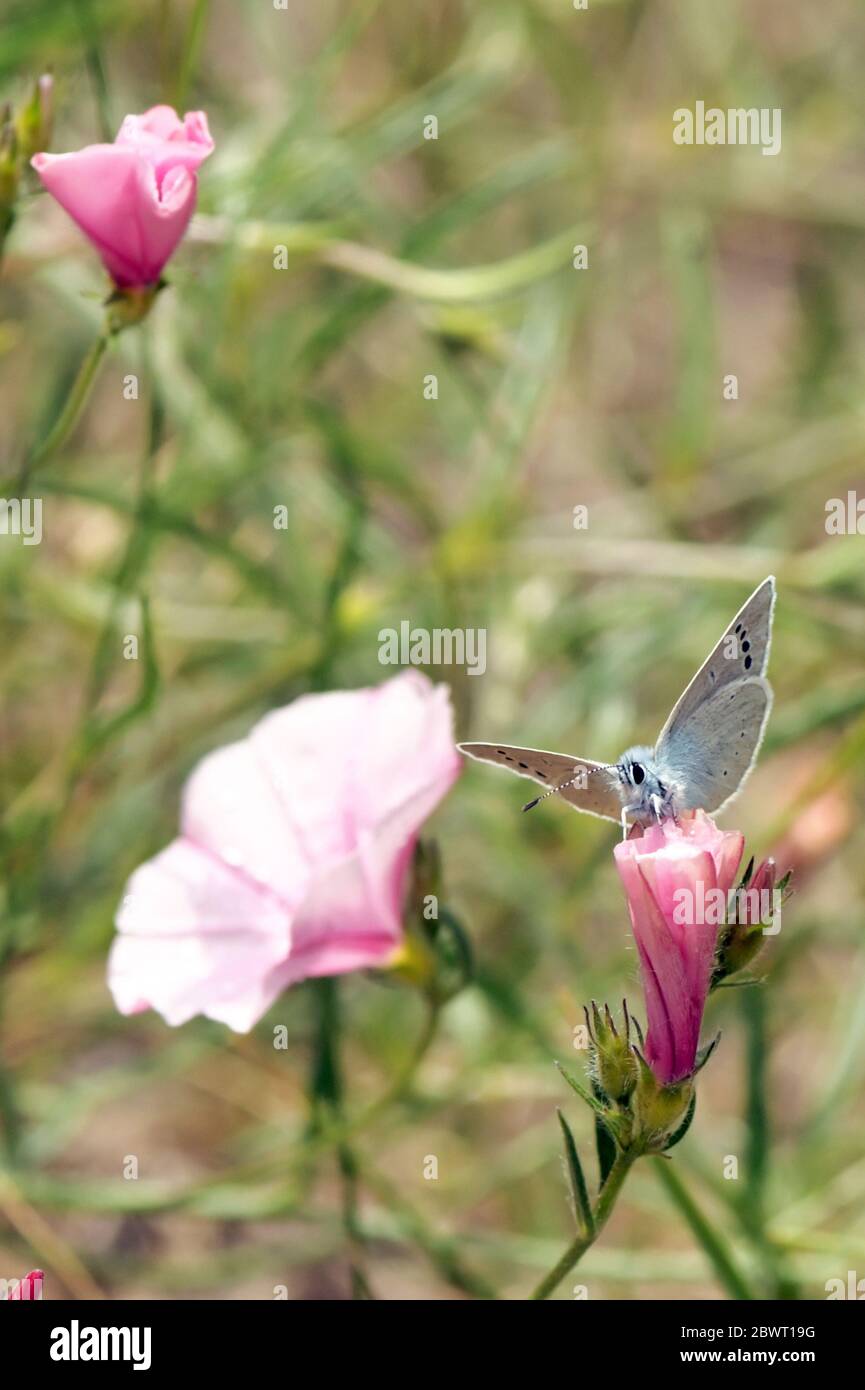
(625, 812)
(658, 807)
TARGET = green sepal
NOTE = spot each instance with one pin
(453, 951)
(581, 1091)
(704, 1053)
(605, 1144)
(680, 1133)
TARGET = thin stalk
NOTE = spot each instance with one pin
(442, 1251)
(89, 27)
(191, 51)
(709, 1238)
(464, 285)
(328, 1092)
(607, 1198)
(75, 403)
(404, 1078)
(11, 1123)
(752, 1207)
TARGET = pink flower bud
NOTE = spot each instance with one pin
(676, 878)
(133, 199)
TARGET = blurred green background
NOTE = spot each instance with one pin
(557, 387)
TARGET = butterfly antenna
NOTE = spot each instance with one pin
(581, 772)
(552, 791)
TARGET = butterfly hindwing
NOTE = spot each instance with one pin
(595, 793)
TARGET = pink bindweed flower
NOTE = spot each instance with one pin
(133, 199)
(669, 867)
(293, 858)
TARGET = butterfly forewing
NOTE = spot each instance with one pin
(742, 654)
(595, 792)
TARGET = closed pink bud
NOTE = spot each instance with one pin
(676, 878)
(133, 199)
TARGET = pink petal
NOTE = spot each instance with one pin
(360, 760)
(111, 192)
(691, 873)
(295, 853)
(668, 1002)
(166, 140)
(195, 937)
(348, 921)
(728, 858)
(236, 806)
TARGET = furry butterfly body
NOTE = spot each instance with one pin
(704, 752)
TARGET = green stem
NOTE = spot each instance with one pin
(442, 1251)
(709, 1238)
(328, 1095)
(464, 285)
(752, 1208)
(757, 1115)
(7, 218)
(607, 1198)
(191, 50)
(333, 1127)
(404, 1078)
(75, 403)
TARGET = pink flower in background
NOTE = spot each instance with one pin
(133, 199)
(667, 868)
(293, 855)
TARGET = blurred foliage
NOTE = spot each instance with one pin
(557, 387)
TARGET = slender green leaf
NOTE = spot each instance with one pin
(579, 1191)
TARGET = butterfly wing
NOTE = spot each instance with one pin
(742, 654)
(710, 754)
(598, 797)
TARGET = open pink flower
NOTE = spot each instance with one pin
(293, 856)
(676, 878)
(133, 199)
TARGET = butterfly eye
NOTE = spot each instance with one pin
(637, 774)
